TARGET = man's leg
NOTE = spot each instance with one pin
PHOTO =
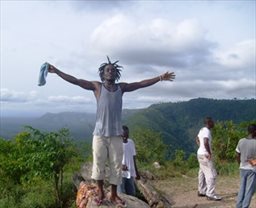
(240, 197)
(201, 183)
(250, 187)
(210, 175)
(101, 194)
(99, 158)
(115, 164)
(130, 186)
(113, 196)
(201, 177)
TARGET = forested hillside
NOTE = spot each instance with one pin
(180, 122)
(177, 122)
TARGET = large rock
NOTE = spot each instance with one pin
(87, 193)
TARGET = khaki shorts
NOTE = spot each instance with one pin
(107, 149)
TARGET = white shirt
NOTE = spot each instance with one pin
(204, 133)
(128, 160)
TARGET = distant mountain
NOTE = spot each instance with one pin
(178, 122)
(79, 124)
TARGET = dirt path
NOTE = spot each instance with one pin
(182, 192)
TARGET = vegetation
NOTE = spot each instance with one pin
(36, 167)
(149, 146)
(32, 169)
(226, 136)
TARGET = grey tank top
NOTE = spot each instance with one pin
(109, 110)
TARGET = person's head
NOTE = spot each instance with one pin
(209, 123)
(125, 131)
(110, 71)
(252, 130)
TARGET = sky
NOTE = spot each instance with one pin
(209, 45)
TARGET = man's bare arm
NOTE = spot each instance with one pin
(136, 169)
(88, 85)
(207, 147)
(198, 141)
(128, 87)
(238, 157)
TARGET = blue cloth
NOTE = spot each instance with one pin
(43, 74)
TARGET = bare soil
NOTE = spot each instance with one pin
(182, 192)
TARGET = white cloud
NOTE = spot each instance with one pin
(210, 47)
(241, 55)
(223, 89)
(157, 41)
(7, 95)
(12, 96)
(69, 100)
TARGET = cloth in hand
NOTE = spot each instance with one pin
(43, 74)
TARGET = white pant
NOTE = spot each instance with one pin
(206, 176)
(107, 149)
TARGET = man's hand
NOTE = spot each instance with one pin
(198, 141)
(124, 168)
(252, 162)
(52, 69)
(208, 156)
(168, 76)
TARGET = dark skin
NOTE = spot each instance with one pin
(110, 84)
(209, 125)
(109, 76)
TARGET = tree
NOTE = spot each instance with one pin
(226, 136)
(149, 145)
(34, 154)
(179, 158)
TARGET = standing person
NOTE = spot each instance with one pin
(129, 166)
(207, 172)
(246, 154)
(107, 140)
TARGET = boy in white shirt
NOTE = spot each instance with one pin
(129, 167)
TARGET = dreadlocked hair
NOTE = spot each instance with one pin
(116, 67)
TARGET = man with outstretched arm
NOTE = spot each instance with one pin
(107, 135)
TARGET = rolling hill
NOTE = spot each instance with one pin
(178, 122)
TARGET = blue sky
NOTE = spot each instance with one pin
(210, 45)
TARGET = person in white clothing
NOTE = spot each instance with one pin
(207, 172)
(129, 167)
